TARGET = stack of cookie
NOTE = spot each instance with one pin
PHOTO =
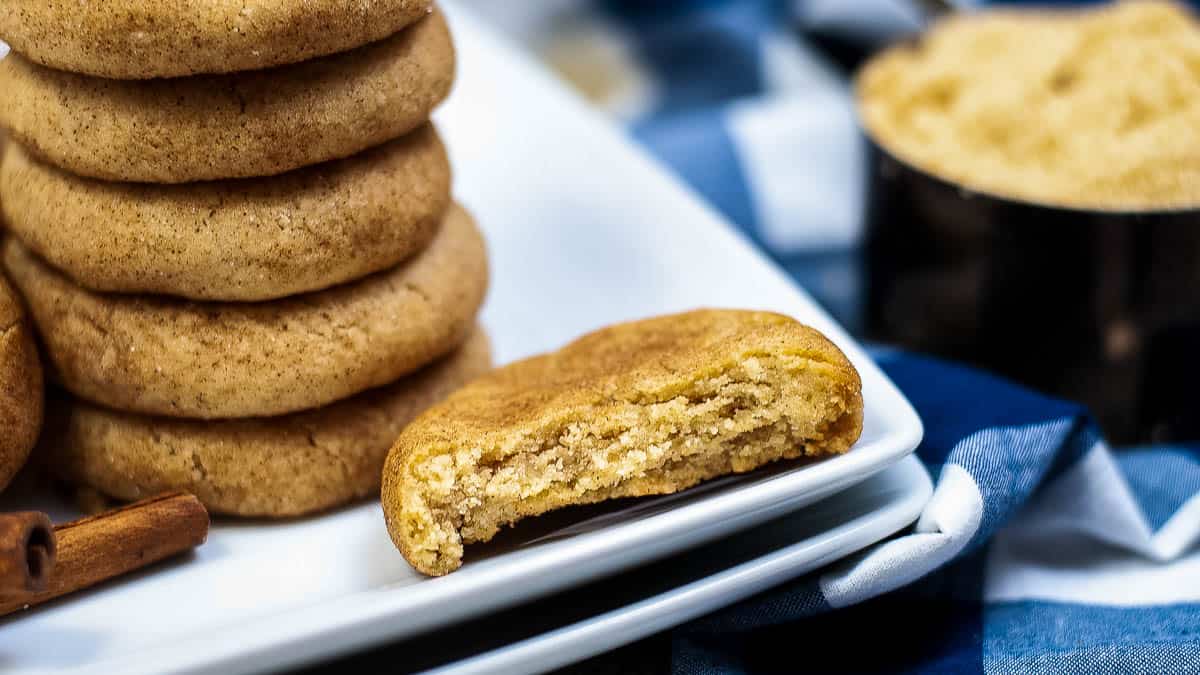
(233, 228)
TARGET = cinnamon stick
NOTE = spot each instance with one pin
(107, 545)
(27, 547)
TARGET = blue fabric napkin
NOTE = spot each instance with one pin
(1042, 550)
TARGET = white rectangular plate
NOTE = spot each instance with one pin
(673, 594)
(580, 623)
(686, 586)
(584, 230)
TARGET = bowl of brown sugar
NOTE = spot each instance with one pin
(1034, 203)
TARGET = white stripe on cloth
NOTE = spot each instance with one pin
(592, 53)
(804, 119)
(1092, 498)
(1086, 540)
(803, 162)
(946, 525)
(790, 65)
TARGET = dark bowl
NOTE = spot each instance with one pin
(1102, 307)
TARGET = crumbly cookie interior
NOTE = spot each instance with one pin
(756, 410)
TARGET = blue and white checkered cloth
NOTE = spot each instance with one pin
(1042, 550)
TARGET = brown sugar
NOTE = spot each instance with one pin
(1091, 109)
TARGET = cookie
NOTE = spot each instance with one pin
(134, 39)
(208, 127)
(245, 239)
(3, 149)
(20, 385)
(178, 358)
(282, 466)
(642, 408)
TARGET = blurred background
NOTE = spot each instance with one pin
(752, 103)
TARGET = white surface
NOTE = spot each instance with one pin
(844, 523)
(584, 231)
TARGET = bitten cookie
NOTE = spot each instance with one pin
(133, 39)
(20, 386)
(642, 408)
(283, 466)
(247, 239)
(208, 127)
(178, 358)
